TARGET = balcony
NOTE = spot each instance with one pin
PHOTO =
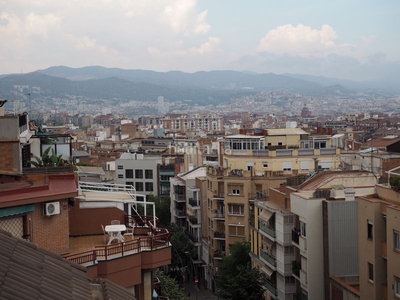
(193, 220)
(303, 277)
(295, 236)
(296, 267)
(327, 151)
(270, 287)
(179, 197)
(267, 229)
(193, 202)
(303, 244)
(219, 215)
(180, 213)
(219, 235)
(218, 195)
(268, 257)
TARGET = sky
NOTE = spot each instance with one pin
(358, 40)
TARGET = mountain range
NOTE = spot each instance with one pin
(200, 87)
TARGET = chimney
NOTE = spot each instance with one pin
(2, 102)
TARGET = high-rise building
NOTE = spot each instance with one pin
(160, 104)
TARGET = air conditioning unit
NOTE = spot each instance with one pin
(52, 208)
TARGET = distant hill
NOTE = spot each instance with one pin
(142, 85)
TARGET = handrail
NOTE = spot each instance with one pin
(159, 240)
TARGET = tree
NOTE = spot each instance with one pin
(169, 287)
(236, 279)
(182, 246)
(163, 210)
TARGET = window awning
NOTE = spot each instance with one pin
(268, 242)
(267, 271)
(16, 210)
(265, 215)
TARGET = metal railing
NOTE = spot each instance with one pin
(194, 202)
(270, 287)
(267, 229)
(106, 252)
(219, 234)
(268, 257)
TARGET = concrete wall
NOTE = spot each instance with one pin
(393, 255)
(371, 249)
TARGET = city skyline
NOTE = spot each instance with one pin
(344, 40)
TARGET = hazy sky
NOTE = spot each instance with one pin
(345, 39)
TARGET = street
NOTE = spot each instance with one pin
(196, 294)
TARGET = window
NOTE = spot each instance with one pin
(149, 186)
(120, 167)
(236, 230)
(139, 173)
(370, 230)
(236, 209)
(287, 166)
(370, 272)
(120, 175)
(148, 174)
(128, 173)
(279, 143)
(305, 165)
(396, 286)
(234, 189)
(139, 186)
(303, 227)
(265, 165)
(396, 240)
(129, 183)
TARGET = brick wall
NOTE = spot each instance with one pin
(51, 233)
(8, 158)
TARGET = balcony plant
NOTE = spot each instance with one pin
(47, 160)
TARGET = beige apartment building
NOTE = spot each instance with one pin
(251, 165)
(379, 237)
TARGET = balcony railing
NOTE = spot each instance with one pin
(193, 220)
(48, 170)
(323, 151)
(180, 213)
(179, 197)
(194, 202)
(296, 267)
(219, 234)
(268, 257)
(295, 236)
(270, 287)
(106, 252)
(267, 229)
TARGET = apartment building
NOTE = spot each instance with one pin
(379, 237)
(251, 165)
(272, 251)
(192, 122)
(326, 230)
(186, 211)
(139, 171)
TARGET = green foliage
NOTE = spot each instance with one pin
(163, 211)
(169, 287)
(395, 183)
(49, 160)
(236, 279)
(183, 247)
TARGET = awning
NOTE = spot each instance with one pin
(267, 271)
(16, 210)
(265, 215)
(268, 242)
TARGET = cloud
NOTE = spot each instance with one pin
(209, 47)
(300, 40)
(182, 18)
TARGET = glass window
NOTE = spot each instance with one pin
(128, 173)
(120, 175)
(139, 186)
(396, 286)
(370, 271)
(370, 229)
(396, 240)
(149, 186)
(148, 174)
(139, 173)
(120, 167)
